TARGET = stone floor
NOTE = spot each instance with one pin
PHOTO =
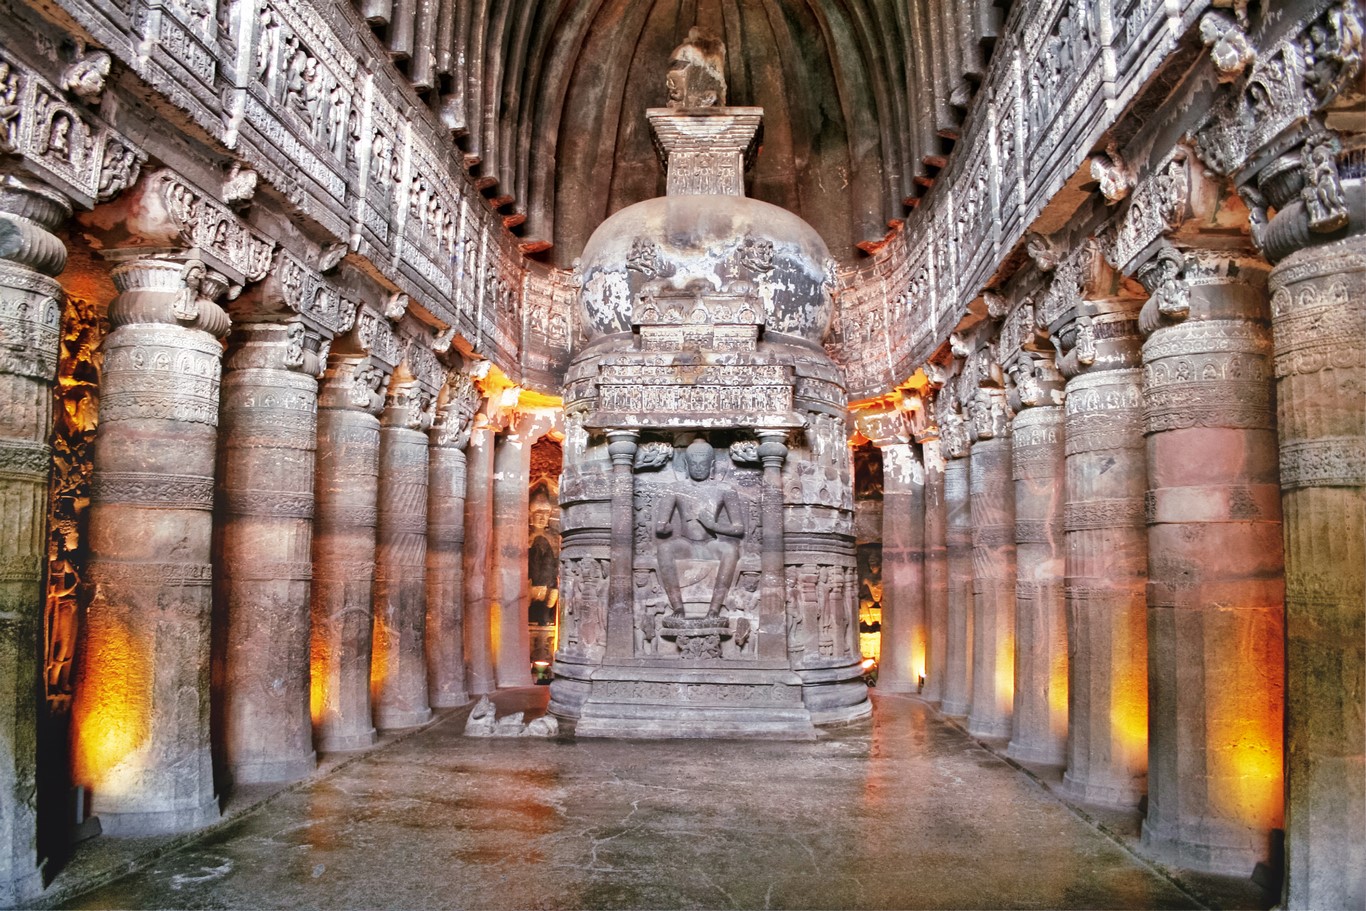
(903, 812)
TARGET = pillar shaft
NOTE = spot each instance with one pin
(446, 575)
(620, 598)
(936, 573)
(1039, 467)
(511, 533)
(772, 613)
(477, 566)
(398, 670)
(30, 324)
(1318, 311)
(345, 517)
(1107, 562)
(958, 637)
(141, 712)
(903, 578)
(263, 565)
(992, 512)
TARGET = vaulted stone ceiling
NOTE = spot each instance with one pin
(862, 100)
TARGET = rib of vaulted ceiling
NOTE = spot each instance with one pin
(862, 100)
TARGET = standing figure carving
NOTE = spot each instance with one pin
(698, 521)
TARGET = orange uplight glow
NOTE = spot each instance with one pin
(868, 663)
(1005, 674)
(111, 718)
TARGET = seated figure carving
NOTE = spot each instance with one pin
(698, 520)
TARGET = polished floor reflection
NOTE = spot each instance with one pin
(902, 812)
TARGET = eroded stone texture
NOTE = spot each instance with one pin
(1215, 589)
(936, 572)
(345, 518)
(398, 668)
(267, 438)
(1318, 312)
(141, 715)
(1039, 467)
(958, 542)
(1106, 561)
(904, 639)
(30, 323)
(445, 638)
(479, 667)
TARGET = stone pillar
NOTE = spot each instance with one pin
(620, 621)
(345, 517)
(1215, 589)
(958, 548)
(1107, 564)
(903, 571)
(477, 565)
(772, 610)
(1038, 464)
(263, 561)
(446, 684)
(398, 668)
(992, 512)
(141, 713)
(1318, 313)
(30, 324)
(936, 572)
(511, 539)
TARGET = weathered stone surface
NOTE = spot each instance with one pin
(902, 663)
(29, 325)
(141, 715)
(1038, 462)
(479, 655)
(267, 439)
(398, 669)
(345, 516)
(957, 693)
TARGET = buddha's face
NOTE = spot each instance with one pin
(698, 460)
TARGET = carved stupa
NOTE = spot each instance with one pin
(708, 573)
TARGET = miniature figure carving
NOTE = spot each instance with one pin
(1323, 197)
(697, 521)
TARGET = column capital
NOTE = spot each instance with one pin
(294, 291)
(621, 446)
(455, 409)
(175, 289)
(354, 382)
(407, 404)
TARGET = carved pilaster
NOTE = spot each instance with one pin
(30, 322)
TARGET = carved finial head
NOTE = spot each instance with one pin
(86, 75)
(697, 71)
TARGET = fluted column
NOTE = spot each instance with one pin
(1107, 563)
(267, 441)
(903, 570)
(345, 518)
(1038, 465)
(398, 668)
(511, 537)
(1215, 589)
(958, 544)
(1318, 313)
(141, 712)
(30, 324)
(446, 684)
(936, 571)
(477, 565)
(992, 512)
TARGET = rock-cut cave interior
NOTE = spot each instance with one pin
(683, 453)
